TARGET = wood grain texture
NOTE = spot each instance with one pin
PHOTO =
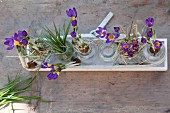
(89, 92)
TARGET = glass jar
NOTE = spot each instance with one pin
(64, 57)
(87, 56)
(138, 59)
(154, 58)
(108, 52)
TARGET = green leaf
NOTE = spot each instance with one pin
(77, 28)
(19, 49)
(16, 86)
(58, 35)
(67, 30)
(153, 32)
(64, 27)
(52, 44)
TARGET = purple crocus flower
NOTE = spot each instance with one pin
(24, 33)
(46, 65)
(52, 75)
(149, 22)
(143, 40)
(24, 42)
(74, 23)
(111, 38)
(101, 32)
(130, 53)
(72, 12)
(157, 44)
(18, 37)
(136, 47)
(135, 42)
(117, 29)
(116, 35)
(73, 34)
(125, 47)
(149, 33)
(10, 43)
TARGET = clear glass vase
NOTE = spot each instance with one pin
(31, 57)
(87, 56)
(64, 57)
(108, 52)
(138, 59)
(154, 58)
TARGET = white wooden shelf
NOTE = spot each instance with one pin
(150, 67)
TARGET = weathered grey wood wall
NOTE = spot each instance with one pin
(89, 92)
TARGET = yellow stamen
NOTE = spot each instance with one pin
(158, 44)
(126, 46)
(111, 37)
(49, 65)
(58, 73)
(16, 43)
(56, 67)
(134, 42)
(73, 18)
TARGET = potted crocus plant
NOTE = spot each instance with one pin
(130, 48)
(27, 48)
(78, 42)
(58, 44)
(84, 48)
(154, 51)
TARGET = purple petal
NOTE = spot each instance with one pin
(50, 76)
(55, 76)
(116, 35)
(10, 43)
(149, 22)
(68, 13)
(75, 12)
(73, 34)
(108, 41)
(24, 33)
(45, 65)
(98, 31)
(15, 35)
(149, 33)
(100, 28)
(52, 68)
(143, 40)
(19, 33)
(74, 23)
(7, 42)
(19, 38)
(117, 29)
(10, 47)
(136, 47)
(24, 42)
(130, 53)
